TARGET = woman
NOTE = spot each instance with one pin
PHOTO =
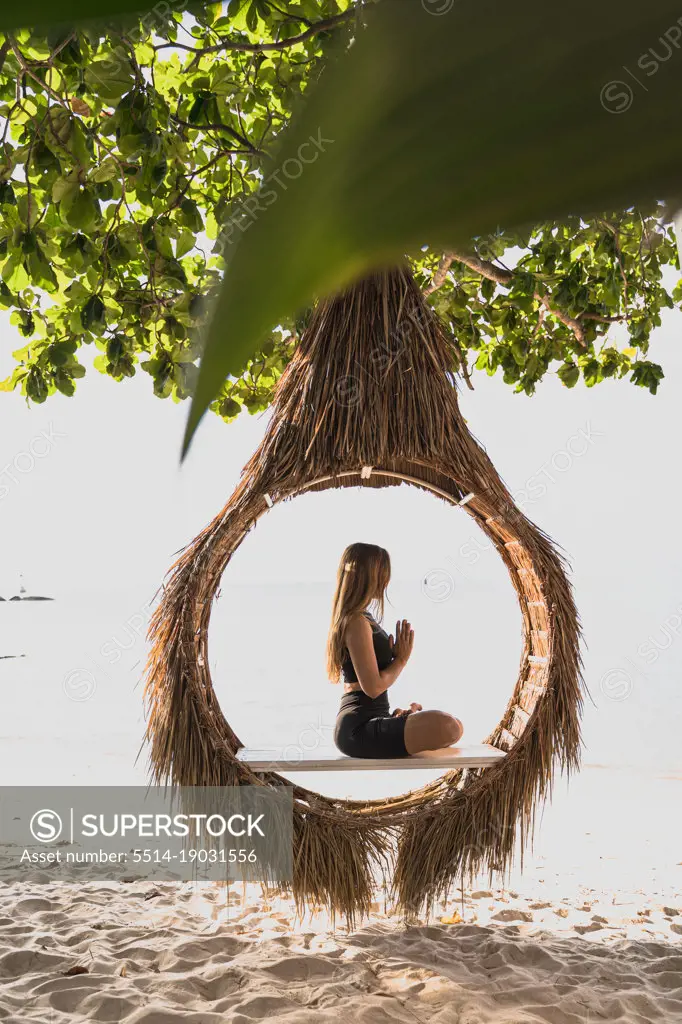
(370, 662)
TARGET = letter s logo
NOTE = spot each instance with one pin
(46, 826)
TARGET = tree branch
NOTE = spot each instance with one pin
(463, 363)
(4, 50)
(200, 170)
(283, 44)
(441, 273)
(23, 64)
(219, 127)
(505, 278)
(485, 268)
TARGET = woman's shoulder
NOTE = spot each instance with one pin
(359, 622)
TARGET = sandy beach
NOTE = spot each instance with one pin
(590, 930)
(143, 953)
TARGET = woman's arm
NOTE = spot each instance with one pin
(361, 648)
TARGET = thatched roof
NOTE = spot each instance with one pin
(372, 385)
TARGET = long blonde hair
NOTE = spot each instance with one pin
(363, 575)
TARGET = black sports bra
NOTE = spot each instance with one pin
(382, 651)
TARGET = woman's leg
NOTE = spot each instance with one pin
(431, 730)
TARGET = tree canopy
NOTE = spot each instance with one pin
(129, 160)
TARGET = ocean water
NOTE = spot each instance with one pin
(77, 677)
(81, 677)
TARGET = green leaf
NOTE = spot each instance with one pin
(14, 275)
(92, 313)
(399, 153)
(189, 215)
(24, 321)
(569, 374)
(28, 209)
(79, 146)
(107, 170)
(41, 271)
(163, 236)
(36, 386)
(60, 352)
(591, 372)
(647, 375)
(80, 210)
(252, 17)
(9, 383)
(487, 288)
(64, 189)
(185, 242)
(519, 351)
(228, 408)
(7, 194)
(64, 382)
(110, 78)
(131, 144)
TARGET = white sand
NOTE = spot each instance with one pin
(157, 953)
(591, 931)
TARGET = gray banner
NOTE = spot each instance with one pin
(60, 833)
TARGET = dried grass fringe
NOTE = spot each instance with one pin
(372, 383)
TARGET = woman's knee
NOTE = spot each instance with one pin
(453, 728)
(448, 727)
(430, 730)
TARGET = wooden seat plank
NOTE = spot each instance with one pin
(290, 759)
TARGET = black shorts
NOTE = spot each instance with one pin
(366, 728)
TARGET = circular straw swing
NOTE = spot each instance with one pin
(369, 399)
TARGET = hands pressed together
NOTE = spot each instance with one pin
(404, 641)
(402, 649)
